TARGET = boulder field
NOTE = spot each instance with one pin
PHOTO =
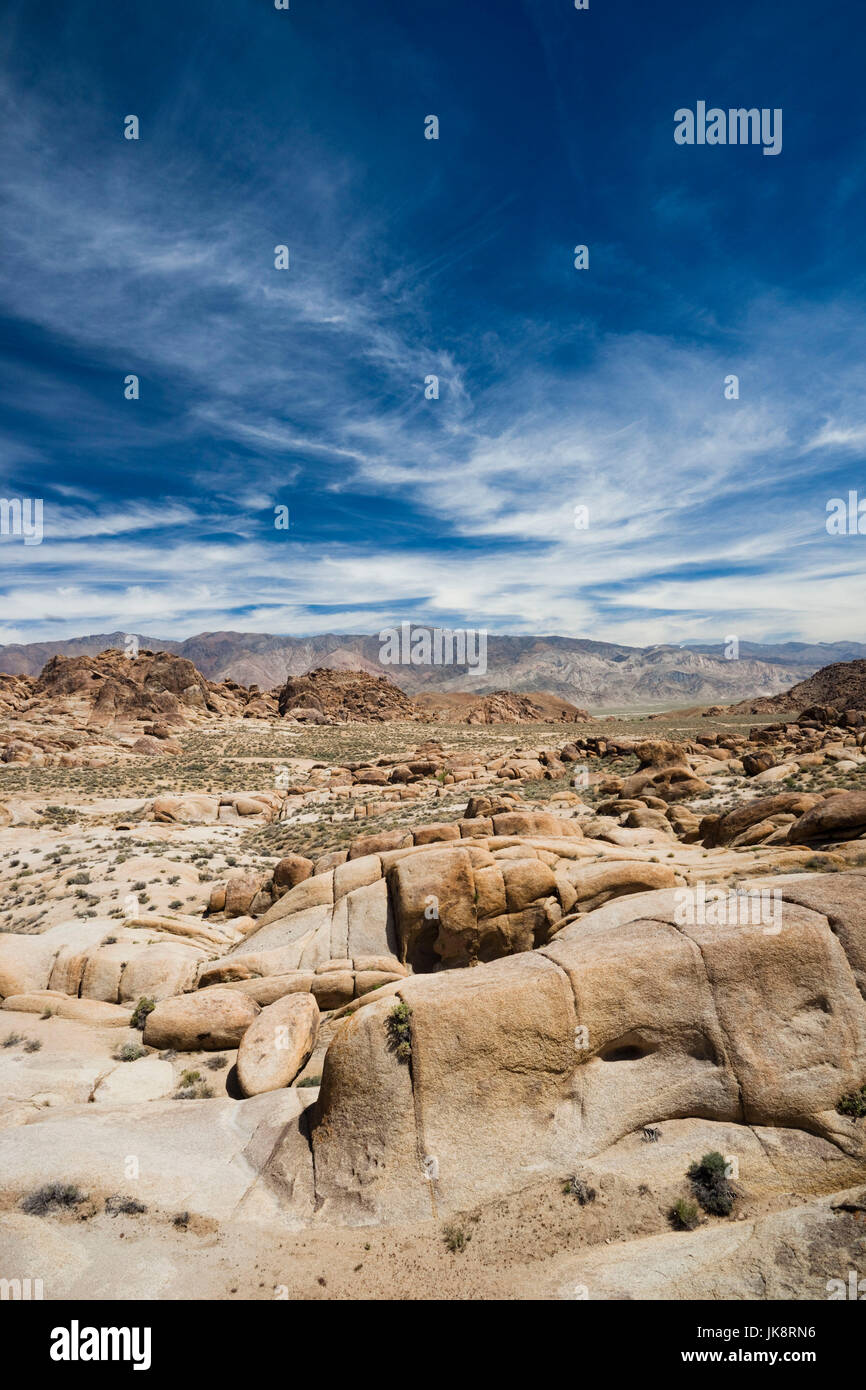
(480, 1016)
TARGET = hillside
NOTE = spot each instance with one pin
(501, 707)
(841, 686)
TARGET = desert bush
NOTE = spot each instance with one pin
(853, 1104)
(124, 1206)
(52, 1195)
(193, 1090)
(576, 1187)
(710, 1184)
(455, 1237)
(684, 1215)
(144, 1007)
(399, 1028)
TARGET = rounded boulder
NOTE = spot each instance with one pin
(205, 1021)
(278, 1044)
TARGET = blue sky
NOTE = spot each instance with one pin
(305, 388)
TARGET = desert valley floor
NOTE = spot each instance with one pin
(341, 999)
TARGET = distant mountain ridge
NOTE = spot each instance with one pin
(586, 672)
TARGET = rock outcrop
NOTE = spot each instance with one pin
(614, 1026)
(344, 696)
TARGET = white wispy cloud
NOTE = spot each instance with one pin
(307, 389)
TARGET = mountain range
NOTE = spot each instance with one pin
(586, 672)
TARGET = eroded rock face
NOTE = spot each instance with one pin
(438, 905)
(458, 907)
(526, 1065)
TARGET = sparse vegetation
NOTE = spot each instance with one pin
(51, 1197)
(399, 1028)
(129, 1052)
(144, 1007)
(576, 1187)
(710, 1184)
(853, 1104)
(684, 1215)
(455, 1237)
(124, 1206)
(192, 1087)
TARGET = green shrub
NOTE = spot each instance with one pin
(399, 1028)
(139, 1014)
(684, 1215)
(853, 1104)
(130, 1052)
(309, 1081)
(710, 1184)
